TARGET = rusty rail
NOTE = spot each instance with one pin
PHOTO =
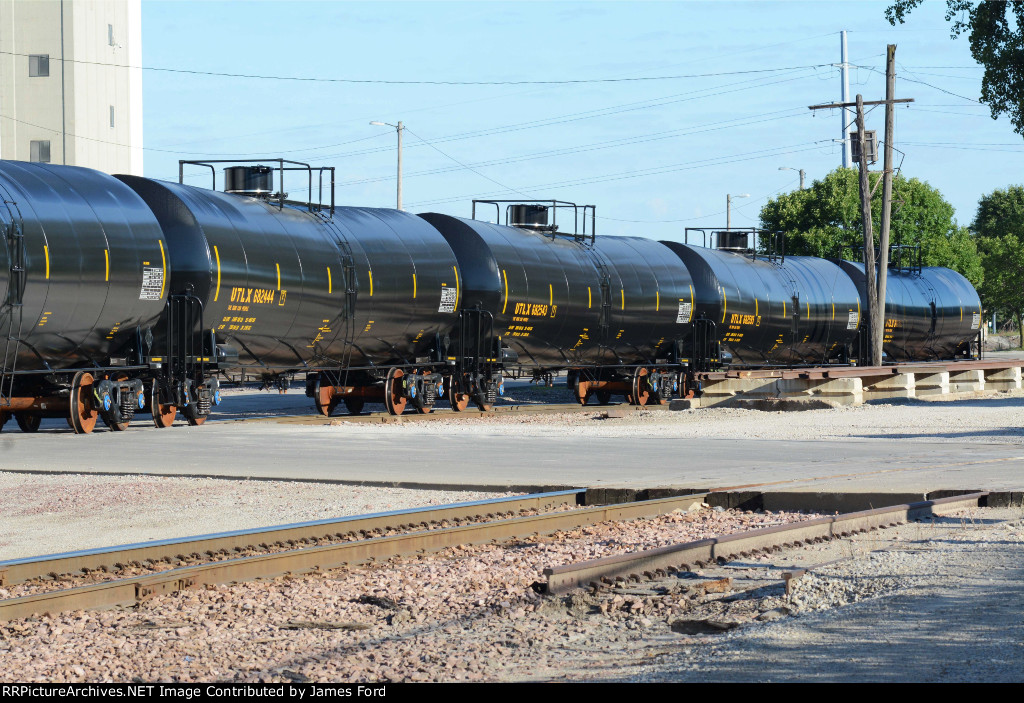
(25, 569)
(128, 591)
(679, 557)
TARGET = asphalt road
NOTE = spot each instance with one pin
(233, 444)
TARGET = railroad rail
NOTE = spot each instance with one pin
(17, 571)
(128, 591)
(670, 559)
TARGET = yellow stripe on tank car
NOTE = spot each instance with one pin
(456, 270)
(46, 255)
(278, 267)
(657, 301)
(504, 277)
(691, 303)
(833, 310)
(622, 291)
(216, 292)
(106, 261)
(551, 295)
(725, 305)
(330, 283)
(163, 263)
(414, 286)
(370, 272)
(590, 298)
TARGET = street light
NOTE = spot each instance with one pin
(398, 127)
(788, 168)
(728, 206)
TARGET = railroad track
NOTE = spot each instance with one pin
(295, 559)
(611, 410)
(664, 561)
(655, 563)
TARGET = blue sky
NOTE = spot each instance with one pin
(654, 155)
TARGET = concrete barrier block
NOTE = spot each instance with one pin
(1003, 379)
(931, 383)
(684, 404)
(719, 392)
(890, 386)
(966, 381)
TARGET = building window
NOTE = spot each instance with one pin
(38, 65)
(111, 116)
(40, 151)
(110, 34)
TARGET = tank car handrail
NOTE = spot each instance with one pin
(281, 168)
(577, 234)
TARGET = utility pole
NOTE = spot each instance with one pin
(883, 236)
(869, 239)
(875, 292)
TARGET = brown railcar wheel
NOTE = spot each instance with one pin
(581, 392)
(459, 401)
(163, 415)
(323, 399)
(394, 402)
(196, 421)
(81, 414)
(641, 388)
(354, 405)
(28, 423)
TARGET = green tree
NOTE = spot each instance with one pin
(996, 33)
(999, 231)
(826, 217)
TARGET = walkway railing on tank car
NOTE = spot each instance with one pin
(281, 196)
(514, 210)
(767, 244)
(902, 257)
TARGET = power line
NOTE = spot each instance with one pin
(626, 141)
(469, 168)
(658, 170)
(374, 81)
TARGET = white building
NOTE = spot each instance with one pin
(71, 83)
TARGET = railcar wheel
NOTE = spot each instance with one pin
(393, 401)
(28, 423)
(581, 391)
(604, 397)
(81, 414)
(354, 405)
(459, 401)
(196, 421)
(163, 415)
(641, 388)
(323, 399)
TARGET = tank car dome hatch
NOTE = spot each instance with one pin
(732, 240)
(255, 181)
(530, 217)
